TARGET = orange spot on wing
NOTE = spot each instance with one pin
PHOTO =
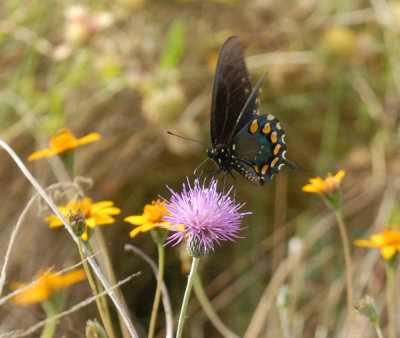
(253, 127)
(276, 149)
(274, 137)
(266, 129)
(264, 169)
(274, 161)
(256, 168)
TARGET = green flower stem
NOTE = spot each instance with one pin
(51, 326)
(378, 330)
(103, 299)
(157, 296)
(68, 159)
(209, 310)
(390, 297)
(193, 269)
(103, 313)
(349, 270)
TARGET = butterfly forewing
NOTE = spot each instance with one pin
(232, 89)
(243, 141)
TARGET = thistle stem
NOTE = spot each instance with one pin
(390, 298)
(349, 271)
(160, 277)
(193, 269)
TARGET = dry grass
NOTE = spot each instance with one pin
(333, 80)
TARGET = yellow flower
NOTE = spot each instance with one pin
(95, 213)
(324, 186)
(63, 140)
(151, 218)
(388, 241)
(43, 285)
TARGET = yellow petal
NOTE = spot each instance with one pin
(54, 221)
(85, 236)
(340, 174)
(111, 211)
(43, 153)
(365, 243)
(102, 205)
(34, 294)
(88, 138)
(311, 188)
(62, 281)
(136, 220)
(135, 231)
(105, 219)
(91, 222)
(388, 251)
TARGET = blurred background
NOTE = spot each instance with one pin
(132, 70)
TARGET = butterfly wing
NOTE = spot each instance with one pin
(260, 149)
(234, 103)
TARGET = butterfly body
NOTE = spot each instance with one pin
(242, 140)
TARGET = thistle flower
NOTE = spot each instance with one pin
(202, 216)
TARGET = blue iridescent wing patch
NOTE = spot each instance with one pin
(259, 149)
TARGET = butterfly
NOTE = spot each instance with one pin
(242, 140)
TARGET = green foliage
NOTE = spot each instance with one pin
(174, 45)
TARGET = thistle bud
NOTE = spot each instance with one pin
(196, 247)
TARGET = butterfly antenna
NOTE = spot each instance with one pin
(251, 97)
(187, 138)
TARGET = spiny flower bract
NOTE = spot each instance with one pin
(202, 215)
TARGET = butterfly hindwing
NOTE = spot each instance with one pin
(231, 91)
(259, 148)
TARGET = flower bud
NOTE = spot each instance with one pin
(368, 309)
(94, 330)
(77, 222)
(196, 247)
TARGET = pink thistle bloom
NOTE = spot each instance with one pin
(202, 216)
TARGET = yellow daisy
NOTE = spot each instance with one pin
(44, 284)
(324, 186)
(62, 141)
(151, 218)
(388, 241)
(99, 213)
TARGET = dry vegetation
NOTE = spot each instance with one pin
(133, 69)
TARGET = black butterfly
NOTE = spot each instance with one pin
(242, 140)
